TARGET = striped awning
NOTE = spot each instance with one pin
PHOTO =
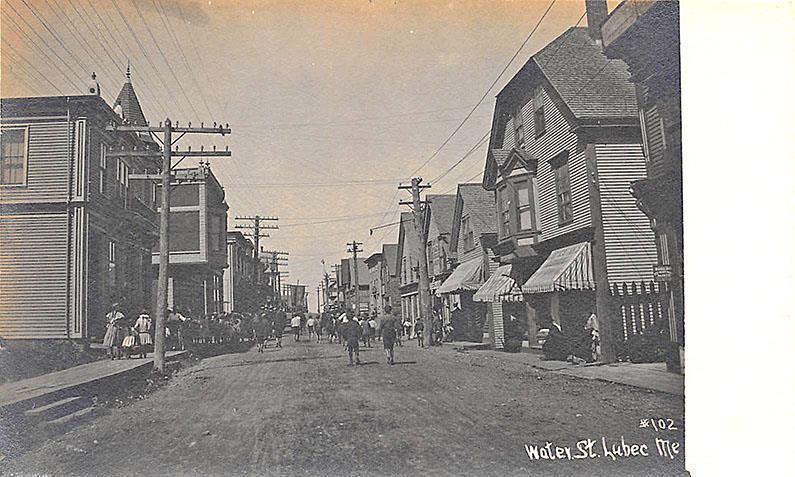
(466, 277)
(501, 286)
(568, 268)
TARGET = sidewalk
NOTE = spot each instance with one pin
(40, 386)
(652, 376)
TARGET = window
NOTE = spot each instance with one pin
(504, 202)
(111, 263)
(13, 156)
(466, 231)
(518, 127)
(184, 231)
(524, 204)
(103, 168)
(215, 233)
(560, 167)
(123, 179)
(539, 122)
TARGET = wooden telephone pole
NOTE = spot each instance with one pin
(353, 247)
(417, 210)
(165, 177)
(257, 227)
(277, 258)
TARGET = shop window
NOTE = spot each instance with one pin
(13, 156)
(111, 263)
(123, 180)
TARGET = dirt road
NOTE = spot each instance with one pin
(301, 410)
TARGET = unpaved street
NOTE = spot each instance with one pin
(301, 410)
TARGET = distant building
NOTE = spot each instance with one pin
(374, 265)
(438, 220)
(473, 235)
(242, 292)
(408, 268)
(348, 289)
(76, 234)
(390, 291)
(197, 247)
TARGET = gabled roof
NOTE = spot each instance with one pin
(481, 207)
(591, 85)
(390, 251)
(131, 108)
(407, 233)
(442, 208)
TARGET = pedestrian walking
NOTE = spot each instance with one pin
(407, 328)
(367, 333)
(351, 333)
(419, 327)
(295, 323)
(310, 327)
(113, 333)
(277, 328)
(389, 333)
(374, 329)
(143, 326)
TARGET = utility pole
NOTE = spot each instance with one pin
(165, 208)
(318, 298)
(419, 224)
(257, 227)
(277, 258)
(353, 247)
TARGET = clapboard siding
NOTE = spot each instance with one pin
(629, 240)
(654, 133)
(497, 328)
(33, 255)
(557, 138)
(48, 164)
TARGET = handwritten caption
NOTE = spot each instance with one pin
(613, 449)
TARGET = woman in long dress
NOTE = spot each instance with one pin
(114, 334)
(143, 326)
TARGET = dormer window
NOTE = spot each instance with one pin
(539, 122)
(504, 204)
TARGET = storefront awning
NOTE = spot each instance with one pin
(466, 277)
(568, 268)
(501, 286)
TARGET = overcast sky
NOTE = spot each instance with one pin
(331, 103)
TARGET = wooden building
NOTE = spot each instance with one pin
(197, 242)
(75, 233)
(565, 147)
(438, 221)
(384, 287)
(472, 238)
(645, 35)
(348, 285)
(408, 268)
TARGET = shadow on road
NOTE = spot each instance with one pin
(403, 362)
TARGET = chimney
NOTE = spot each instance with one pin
(596, 11)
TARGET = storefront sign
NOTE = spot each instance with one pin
(663, 273)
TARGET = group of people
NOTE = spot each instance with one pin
(355, 329)
(576, 346)
(123, 337)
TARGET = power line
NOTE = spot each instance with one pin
(75, 31)
(485, 94)
(170, 30)
(43, 41)
(47, 27)
(165, 59)
(474, 148)
(22, 57)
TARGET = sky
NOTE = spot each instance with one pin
(332, 104)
